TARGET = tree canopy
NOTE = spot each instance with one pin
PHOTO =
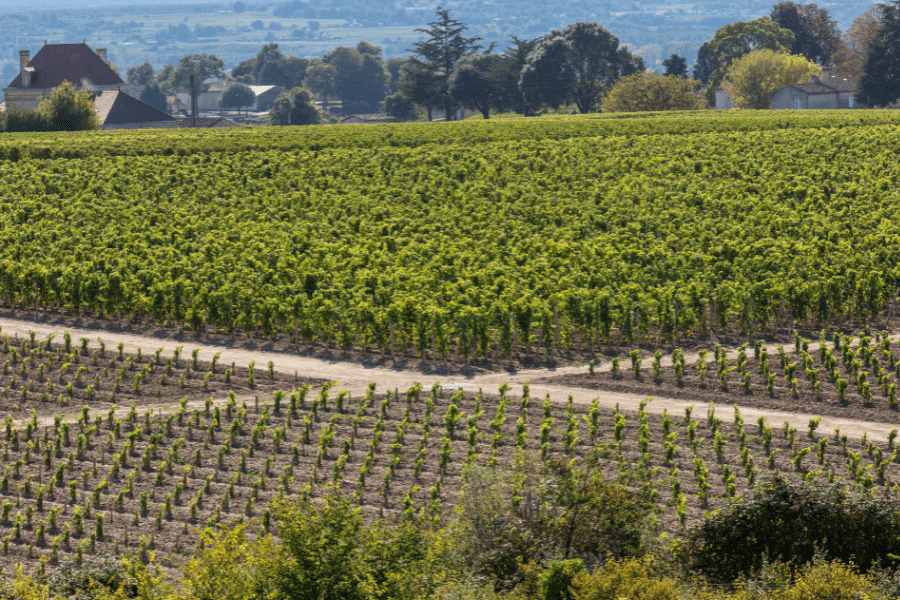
(68, 110)
(294, 108)
(676, 66)
(753, 77)
(652, 92)
(206, 68)
(472, 82)
(154, 96)
(879, 82)
(238, 96)
(141, 75)
(579, 64)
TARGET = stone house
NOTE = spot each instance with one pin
(51, 66)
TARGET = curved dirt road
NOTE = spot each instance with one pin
(356, 377)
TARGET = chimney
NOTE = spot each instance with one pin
(24, 59)
(101, 52)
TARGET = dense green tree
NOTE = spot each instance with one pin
(288, 72)
(166, 78)
(238, 96)
(421, 85)
(824, 29)
(753, 77)
(788, 16)
(737, 39)
(879, 82)
(704, 67)
(360, 79)
(508, 96)
(842, 519)
(68, 110)
(294, 108)
(676, 66)
(578, 64)
(652, 92)
(394, 66)
(206, 68)
(473, 82)
(400, 107)
(153, 95)
(438, 55)
(268, 54)
(320, 80)
(141, 75)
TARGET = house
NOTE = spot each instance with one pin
(118, 110)
(208, 122)
(51, 66)
(723, 100)
(266, 95)
(832, 93)
(368, 119)
(211, 99)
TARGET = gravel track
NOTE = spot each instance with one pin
(355, 377)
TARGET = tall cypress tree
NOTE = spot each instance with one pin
(879, 83)
(438, 54)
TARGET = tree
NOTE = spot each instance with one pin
(824, 29)
(737, 39)
(579, 63)
(166, 78)
(268, 54)
(288, 72)
(676, 66)
(66, 110)
(704, 67)
(238, 96)
(753, 77)
(294, 108)
(420, 85)
(320, 80)
(507, 94)
(841, 518)
(854, 41)
(238, 7)
(473, 82)
(788, 16)
(438, 56)
(652, 92)
(360, 79)
(141, 75)
(205, 68)
(879, 82)
(154, 96)
(258, 25)
(400, 107)
(394, 66)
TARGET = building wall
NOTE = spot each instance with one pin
(823, 101)
(786, 99)
(30, 98)
(723, 100)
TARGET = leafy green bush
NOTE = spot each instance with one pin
(786, 521)
(623, 578)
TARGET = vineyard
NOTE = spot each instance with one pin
(837, 374)
(541, 236)
(133, 479)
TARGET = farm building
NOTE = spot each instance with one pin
(834, 93)
(118, 110)
(55, 63)
(368, 119)
(210, 99)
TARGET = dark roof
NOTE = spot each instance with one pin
(55, 63)
(208, 122)
(117, 108)
(370, 118)
(831, 86)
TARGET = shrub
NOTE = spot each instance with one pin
(624, 578)
(558, 578)
(845, 521)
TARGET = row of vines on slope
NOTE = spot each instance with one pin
(469, 249)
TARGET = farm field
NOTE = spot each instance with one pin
(464, 240)
(139, 478)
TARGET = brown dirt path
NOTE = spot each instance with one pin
(355, 377)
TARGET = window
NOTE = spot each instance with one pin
(796, 103)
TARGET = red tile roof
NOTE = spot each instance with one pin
(55, 63)
(117, 108)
